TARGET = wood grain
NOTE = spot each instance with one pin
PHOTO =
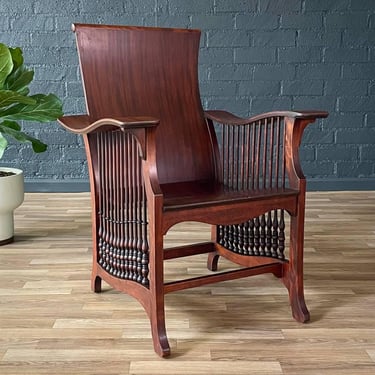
(51, 322)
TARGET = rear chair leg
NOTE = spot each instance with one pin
(212, 261)
(96, 283)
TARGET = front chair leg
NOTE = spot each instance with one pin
(158, 330)
(293, 272)
(155, 307)
(294, 285)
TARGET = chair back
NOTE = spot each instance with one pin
(146, 71)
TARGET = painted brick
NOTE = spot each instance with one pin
(318, 71)
(212, 22)
(368, 153)
(359, 71)
(338, 153)
(354, 169)
(345, 55)
(328, 5)
(361, 4)
(70, 7)
(13, 39)
(4, 23)
(357, 136)
(302, 21)
(346, 88)
(230, 72)
(216, 55)
(218, 88)
(370, 120)
(175, 20)
(15, 7)
(259, 88)
(285, 38)
(255, 55)
(267, 104)
(355, 38)
(365, 103)
(351, 20)
(274, 72)
(300, 54)
(348, 120)
(307, 153)
(280, 6)
(35, 23)
(235, 5)
(56, 39)
(318, 169)
(191, 6)
(237, 38)
(238, 106)
(313, 135)
(314, 38)
(313, 87)
(257, 21)
(326, 103)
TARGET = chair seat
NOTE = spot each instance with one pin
(197, 194)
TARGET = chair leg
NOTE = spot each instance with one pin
(293, 271)
(213, 257)
(158, 330)
(156, 307)
(212, 261)
(96, 283)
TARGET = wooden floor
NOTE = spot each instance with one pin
(51, 323)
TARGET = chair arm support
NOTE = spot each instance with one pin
(81, 124)
(224, 117)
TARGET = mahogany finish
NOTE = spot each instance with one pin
(157, 159)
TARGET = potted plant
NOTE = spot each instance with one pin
(17, 104)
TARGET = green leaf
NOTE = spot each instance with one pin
(6, 63)
(9, 127)
(8, 98)
(46, 108)
(17, 57)
(12, 129)
(3, 145)
(19, 79)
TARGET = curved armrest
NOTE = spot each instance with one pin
(224, 117)
(80, 124)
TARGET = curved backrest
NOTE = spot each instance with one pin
(145, 71)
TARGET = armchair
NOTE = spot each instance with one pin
(156, 158)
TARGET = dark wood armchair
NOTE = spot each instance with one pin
(156, 158)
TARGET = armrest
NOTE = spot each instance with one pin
(81, 124)
(224, 117)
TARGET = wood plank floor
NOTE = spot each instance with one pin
(51, 323)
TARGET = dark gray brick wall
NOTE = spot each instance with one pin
(256, 55)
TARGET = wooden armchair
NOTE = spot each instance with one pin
(157, 159)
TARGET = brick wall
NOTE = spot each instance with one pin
(256, 55)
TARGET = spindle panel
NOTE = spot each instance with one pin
(122, 240)
(252, 157)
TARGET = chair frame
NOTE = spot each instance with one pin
(233, 207)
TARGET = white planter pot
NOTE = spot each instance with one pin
(11, 196)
